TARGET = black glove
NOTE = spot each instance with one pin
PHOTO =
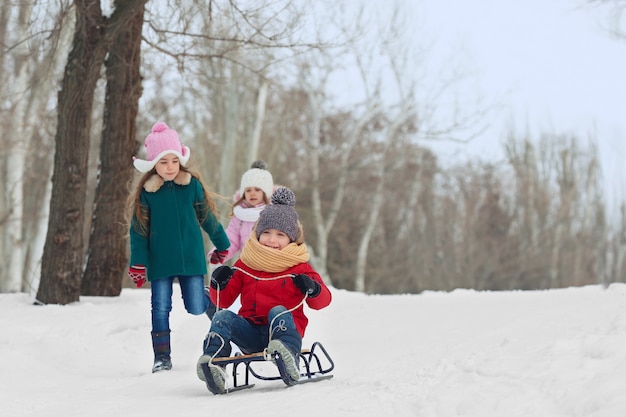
(221, 276)
(307, 285)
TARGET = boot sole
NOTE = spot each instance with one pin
(287, 357)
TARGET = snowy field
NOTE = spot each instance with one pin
(464, 353)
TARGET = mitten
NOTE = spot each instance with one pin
(137, 273)
(218, 256)
(221, 276)
(307, 285)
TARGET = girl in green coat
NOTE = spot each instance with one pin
(169, 208)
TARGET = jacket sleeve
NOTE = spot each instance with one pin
(216, 232)
(324, 298)
(234, 236)
(209, 222)
(235, 240)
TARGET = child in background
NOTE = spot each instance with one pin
(253, 195)
(274, 279)
(170, 206)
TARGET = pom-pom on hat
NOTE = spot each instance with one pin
(257, 176)
(281, 214)
(161, 141)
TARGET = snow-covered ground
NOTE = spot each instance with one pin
(464, 353)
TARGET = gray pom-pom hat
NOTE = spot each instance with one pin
(281, 214)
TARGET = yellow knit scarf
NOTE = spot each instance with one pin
(262, 258)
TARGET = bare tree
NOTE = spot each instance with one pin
(15, 163)
(64, 250)
(558, 217)
(616, 17)
(618, 244)
(531, 206)
(215, 47)
(41, 118)
(31, 59)
(324, 219)
(108, 255)
(227, 57)
(227, 79)
(313, 81)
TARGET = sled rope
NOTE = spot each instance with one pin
(255, 277)
(281, 324)
(221, 369)
(208, 339)
(262, 279)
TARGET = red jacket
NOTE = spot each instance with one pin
(258, 296)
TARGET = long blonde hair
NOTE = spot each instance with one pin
(137, 215)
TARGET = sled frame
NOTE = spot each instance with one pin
(315, 365)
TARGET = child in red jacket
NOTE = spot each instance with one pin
(274, 279)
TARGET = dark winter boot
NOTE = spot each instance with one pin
(285, 341)
(213, 375)
(214, 345)
(289, 359)
(211, 308)
(162, 351)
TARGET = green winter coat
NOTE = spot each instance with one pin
(174, 245)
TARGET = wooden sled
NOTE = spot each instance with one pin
(315, 365)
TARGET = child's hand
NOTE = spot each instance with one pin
(217, 257)
(137, 273)
(307, 285)
(221, 276)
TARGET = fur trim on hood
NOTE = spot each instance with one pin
(155, 182)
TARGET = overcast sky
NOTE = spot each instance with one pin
(555, 64)
(551, 63)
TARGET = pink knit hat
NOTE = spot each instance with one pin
(161, 141)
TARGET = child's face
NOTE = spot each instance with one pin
(168, 167)
(253, 196)
(274, 238)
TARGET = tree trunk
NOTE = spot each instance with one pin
(19, 145)
(107, 255)
(38, 181)
(373, 211)
(64, 250)
(255, 139)
(324, 223)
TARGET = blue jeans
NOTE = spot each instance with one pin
(228, 326)
(194, 298)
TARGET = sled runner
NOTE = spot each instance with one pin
(315, 364)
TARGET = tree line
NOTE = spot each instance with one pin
(382, 213)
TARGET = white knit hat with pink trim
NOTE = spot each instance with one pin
(161, 141)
